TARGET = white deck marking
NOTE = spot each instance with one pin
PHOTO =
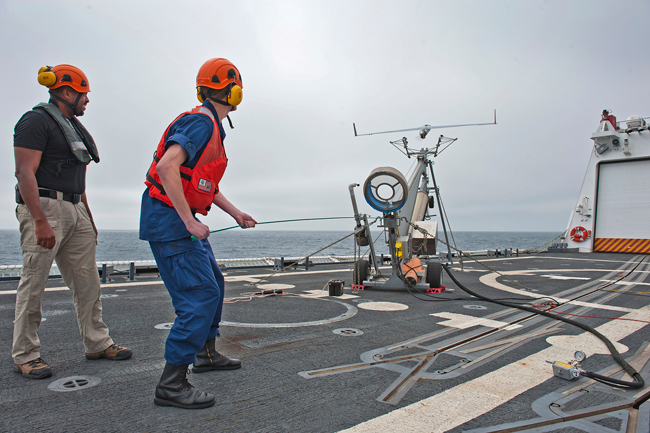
(325, 294)
(626, 283)
(134, 283)
(51, 289)
(458, 405)
(491, 280)
(562, 277)
(103, 286)
(382, 306)
(276, 286)
(258, 277)
(462, 321)
(575, 342)
(470, 270)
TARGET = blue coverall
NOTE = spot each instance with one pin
(188, 268)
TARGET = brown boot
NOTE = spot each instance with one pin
(34, 369)
(209, 359)
(112, 352)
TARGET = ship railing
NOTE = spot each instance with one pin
(135, 267)
(505, 252)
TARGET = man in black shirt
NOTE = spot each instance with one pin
(52, 149)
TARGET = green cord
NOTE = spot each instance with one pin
(194, 238)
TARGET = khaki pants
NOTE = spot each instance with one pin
(74, 253)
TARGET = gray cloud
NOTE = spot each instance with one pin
(311, 69)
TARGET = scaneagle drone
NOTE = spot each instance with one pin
(411, 237)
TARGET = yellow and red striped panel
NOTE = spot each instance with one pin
(619, 245)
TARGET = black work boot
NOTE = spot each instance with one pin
(174, 390)
(209, 359)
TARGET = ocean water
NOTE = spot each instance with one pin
(253, 243)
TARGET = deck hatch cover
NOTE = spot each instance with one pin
(73, 383)
(348, 332)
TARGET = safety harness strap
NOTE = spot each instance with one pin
(183, 175)
(78, 138)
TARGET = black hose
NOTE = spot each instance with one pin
(638, 380)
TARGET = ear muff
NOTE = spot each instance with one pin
(235, 96)
(46, 77)
(199, 96)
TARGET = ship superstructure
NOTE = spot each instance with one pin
(612, 213)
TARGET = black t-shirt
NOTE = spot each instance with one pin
(59, 169)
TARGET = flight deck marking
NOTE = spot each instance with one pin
(323, 294)
(276, 286)
(625, 283)
(491, 281)
(552, 408)
(474, 349)
(562, 277)
(350, 312)
(462, 321)
(383, 306)
(262, 277)
(471, 399)
(470, 349)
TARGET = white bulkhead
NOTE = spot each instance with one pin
(612, 213)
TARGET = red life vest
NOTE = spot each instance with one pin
(201, 183)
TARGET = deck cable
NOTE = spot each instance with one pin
(637, 382)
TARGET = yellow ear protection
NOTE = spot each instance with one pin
(234, 97)
(236, 94)
(46, 77)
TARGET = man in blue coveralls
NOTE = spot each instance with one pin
(182, 181)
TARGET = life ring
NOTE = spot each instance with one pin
(579, 234)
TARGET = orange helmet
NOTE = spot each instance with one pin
(218, 73)
(54, 77)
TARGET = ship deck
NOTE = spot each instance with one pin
(366, 361)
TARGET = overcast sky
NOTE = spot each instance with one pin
(312, 68)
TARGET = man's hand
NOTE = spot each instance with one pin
(198, 229)
(244, 220)
(45, 236)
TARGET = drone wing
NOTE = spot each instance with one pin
(426, 128)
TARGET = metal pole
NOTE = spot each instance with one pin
(371, 244)
(391, 226)
(442, 217)
(354, 204)
(357, 218)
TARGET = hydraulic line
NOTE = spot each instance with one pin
(638, 380)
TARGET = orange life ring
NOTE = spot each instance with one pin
(579, 234)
